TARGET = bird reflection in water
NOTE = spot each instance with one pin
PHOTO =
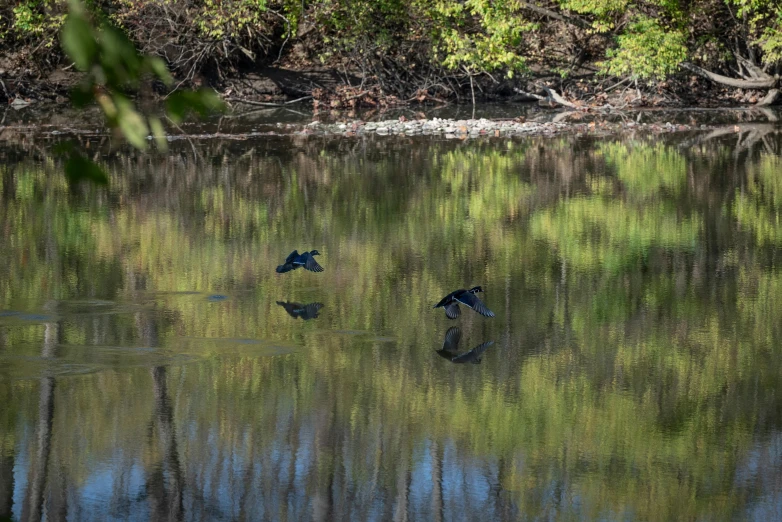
(451, 344)
(296, 310)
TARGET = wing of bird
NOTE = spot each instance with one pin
(452, 310)
(312, 265)
(311, 310)
(474, 355)
(445, 299)
(293, 255)
(476, 304)
(451, 340)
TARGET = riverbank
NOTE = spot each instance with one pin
(382, 54)
(327, 89)
(509, 121)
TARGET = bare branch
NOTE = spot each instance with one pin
(555, 15)
(753, 69)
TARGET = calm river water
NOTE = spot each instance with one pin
(149, 368)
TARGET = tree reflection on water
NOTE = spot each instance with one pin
(632, 375)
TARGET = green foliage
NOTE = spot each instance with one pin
(214, 33)
(37, 17)
(646, 51)
(761, 26)
(114, 67)
(78, 168)
(79, 42)
(202, 102)
(494, 46)
(218, 19)
(600, 8)
(34, 21)
(474, 36)
(771, 40)
(27, 19)
(605, 12)
(416, 43)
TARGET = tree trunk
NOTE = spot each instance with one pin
(772, 98)
(766, 83)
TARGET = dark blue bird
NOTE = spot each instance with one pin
(296, 310)
(466, 297)
(296, 260)
(450, 344)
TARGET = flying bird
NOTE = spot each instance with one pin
(296, 260)
(451, 343)
(306, 312)
(466, 297)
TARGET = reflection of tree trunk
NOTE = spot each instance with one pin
(436, 454)
(290, 490)
(6, 486)
(402, 490)
(502, 505)
(6, 462)
(245, 500)
(325, 453)
(165, 489)
(57, 505)
(165, 483)
(323, 503)
(32, 508)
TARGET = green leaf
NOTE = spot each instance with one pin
(119, 58)
(82, 95)
(78, 41)
(131, 123)
(203, 101)
(158, 132)
(78, 168)
(159, 69)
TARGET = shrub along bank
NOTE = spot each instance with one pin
(397, 51)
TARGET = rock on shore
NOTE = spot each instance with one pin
(475, 128)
